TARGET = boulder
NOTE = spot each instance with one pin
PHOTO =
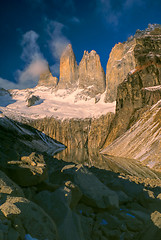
(34, 220)
(58, 205)
(29, 171)
(19, 216)
(94, 192)
(31, 100)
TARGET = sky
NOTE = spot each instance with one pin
(33, 33)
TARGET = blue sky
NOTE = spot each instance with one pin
(34, 32)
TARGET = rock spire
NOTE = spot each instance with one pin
(46, 79)
(91, 74)
(68, 69)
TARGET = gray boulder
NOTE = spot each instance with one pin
(58, 205)
(94, 192)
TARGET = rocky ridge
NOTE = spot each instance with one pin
(88, 76)
(130, 56)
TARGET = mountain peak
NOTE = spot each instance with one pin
(67, 51)
(46, 79)
(68, 68)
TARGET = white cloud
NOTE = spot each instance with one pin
(35, 64)
(109, 14)
(58, 40)
(30, 75)
(31, 50)
(57, 43)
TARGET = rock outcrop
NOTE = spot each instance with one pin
(31, 100)
(91, 74)
(29, 170)
(21, 218)
(133, 97)
(142, 49)
(46, 79)
(68, 69)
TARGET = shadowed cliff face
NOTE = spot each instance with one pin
(76, 133)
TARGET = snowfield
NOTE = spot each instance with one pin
(61, 104)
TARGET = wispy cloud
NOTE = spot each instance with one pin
(34, 60)
(130, 3)
(58, 40)
(75, 20)
(30, 48)
(110, 14)
(57, 43)
(113, 10)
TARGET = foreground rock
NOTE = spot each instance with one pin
(94, 192)
(29, 171)
(20, 217)
(59, 206)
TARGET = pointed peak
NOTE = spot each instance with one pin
(93, 53)
(68, 50)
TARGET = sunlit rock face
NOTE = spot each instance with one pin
(91, 74)
(46, 79)
(142, 49)
(134, 95)
(120, 63)
(68, 69)
(141, 86)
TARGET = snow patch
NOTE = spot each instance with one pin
(60, 104)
